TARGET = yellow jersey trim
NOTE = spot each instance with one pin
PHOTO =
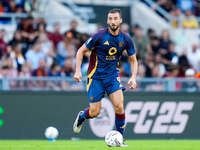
(94, 69)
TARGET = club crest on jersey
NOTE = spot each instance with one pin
(112, 51)
(121, 44)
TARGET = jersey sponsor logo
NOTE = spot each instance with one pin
(157, 117)
(121, 44)
(110, 57)
(106, 43)
(105, 121)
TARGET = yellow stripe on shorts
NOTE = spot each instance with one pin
(88, 85)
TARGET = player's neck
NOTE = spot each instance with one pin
(115, 33)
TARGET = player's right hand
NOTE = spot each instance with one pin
(78, 76)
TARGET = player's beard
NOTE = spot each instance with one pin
(113, 28)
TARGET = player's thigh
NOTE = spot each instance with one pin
(117, 99)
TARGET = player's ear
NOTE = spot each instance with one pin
(121, 20)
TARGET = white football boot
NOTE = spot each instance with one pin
(123, 145)
(77, 125)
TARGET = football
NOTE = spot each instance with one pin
(51, 133)
(114, 139)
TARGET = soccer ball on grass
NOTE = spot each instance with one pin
(114, 139)
(51, 133)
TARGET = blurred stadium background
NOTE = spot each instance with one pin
(38, 43)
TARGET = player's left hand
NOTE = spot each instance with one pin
(133, 83)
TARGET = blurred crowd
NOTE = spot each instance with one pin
(20, 6)
(185, 12)
(35, 52)
(157, 57)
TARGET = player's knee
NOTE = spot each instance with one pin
(94, 112)
(119, 108)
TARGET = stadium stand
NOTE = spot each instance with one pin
(31, 41)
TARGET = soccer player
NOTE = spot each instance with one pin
(106, 48)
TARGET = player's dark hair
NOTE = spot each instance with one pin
(116, 10)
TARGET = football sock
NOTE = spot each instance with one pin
(84, 115)
(120, 122)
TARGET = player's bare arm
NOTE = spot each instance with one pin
(134, 69)
(79, 58)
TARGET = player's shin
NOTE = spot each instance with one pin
(85, 115)
(120, 122)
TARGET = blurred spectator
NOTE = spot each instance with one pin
(155, 44)
(171, 56)
(41, 72)
(189, 20)
(25, 71)
(41, 28)
(141, 71)
(56, 36)
(13, 72)
(75, 33)
(4, 71)
(149, 64)
(1, 7)
(172, 71)
(12, 6)
(47, 49)
(134, 29)
(17, 39)
(155, 86)
(17, 56)
(151, 33)
(56, 72)
(142, 44)
(28, 28)
(184, 65)
(3, 45)
(125, 28)
(34, 5)
(158, 61)
(193, 56)
(164, 42)
(66, 48)
(189, 86)
(73, 30)
(68, 68)
(176, 12)
(34, 55)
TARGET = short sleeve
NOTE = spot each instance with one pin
(90, 43)
(130, 47)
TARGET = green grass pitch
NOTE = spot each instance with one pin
(99, 145)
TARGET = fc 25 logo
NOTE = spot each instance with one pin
(158, 118)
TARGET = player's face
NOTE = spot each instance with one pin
(114, 21)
